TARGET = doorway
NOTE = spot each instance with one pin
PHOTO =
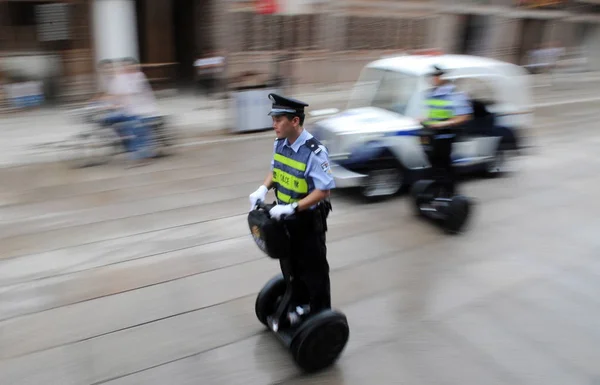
(473, 38)
(184, 40)
(167, 35)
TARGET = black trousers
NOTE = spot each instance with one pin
(441, 161)
(310, 268)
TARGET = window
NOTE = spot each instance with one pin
(476, 89)
(390, 90)
(255, 32)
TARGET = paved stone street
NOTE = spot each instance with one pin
(149, 275)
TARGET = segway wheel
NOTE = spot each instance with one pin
(457, 214)
(320, 341)
(418, 192)
(269, 297)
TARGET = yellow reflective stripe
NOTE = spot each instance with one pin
(438, 103)
(289, 181)
(285, 198)
(440, 114)
(290, 162)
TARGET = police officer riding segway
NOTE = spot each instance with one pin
(447, 112)
(296, 305)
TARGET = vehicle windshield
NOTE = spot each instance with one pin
(390, 90)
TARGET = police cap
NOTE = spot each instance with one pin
(437, 71)
(283, 106)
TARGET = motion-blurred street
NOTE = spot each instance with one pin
(149, 275)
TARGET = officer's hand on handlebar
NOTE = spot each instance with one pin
(280, 211)
(258, 195)
(261, 205)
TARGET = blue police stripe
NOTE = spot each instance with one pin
(403, 133)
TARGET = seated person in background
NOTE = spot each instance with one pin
(131, 93)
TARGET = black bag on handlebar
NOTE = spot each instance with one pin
(270, 236)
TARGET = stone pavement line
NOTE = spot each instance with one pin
(7, 292)
(109, 219)
(504, 345)
(217, 241)
(388, 257)
(124, 210)
(208, 220)
(62, 254)
(51, 177)
(571, 344)
(23, 210)
(394, 231)
(393, 366)
(362, 261)
(417, 355)
(348, 354)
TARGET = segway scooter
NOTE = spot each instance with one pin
(315, 340)
(431, 197)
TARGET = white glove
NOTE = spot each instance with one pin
(279, 210)
(258, 195)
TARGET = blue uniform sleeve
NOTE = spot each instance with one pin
(461, 104)
(319, 170)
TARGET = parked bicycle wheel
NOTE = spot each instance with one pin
(93, 148)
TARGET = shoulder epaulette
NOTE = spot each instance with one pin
(314, 145)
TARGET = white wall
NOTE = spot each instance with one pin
(115, 29)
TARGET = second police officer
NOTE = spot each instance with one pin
(447, 109)
(301, 177)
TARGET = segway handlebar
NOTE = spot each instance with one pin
(260, 205)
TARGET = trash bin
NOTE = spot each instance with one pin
(250, 106)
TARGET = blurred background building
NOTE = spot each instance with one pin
(56, 44)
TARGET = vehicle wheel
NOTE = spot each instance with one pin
(320, 340)
(457, 214)
(269, 297)
(495, 168)
(420, 192)
(382, 183)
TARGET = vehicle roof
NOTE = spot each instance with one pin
(422, 64)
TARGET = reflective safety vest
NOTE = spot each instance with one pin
(440, 107)
(289, 169)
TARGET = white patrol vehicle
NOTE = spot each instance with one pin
(374, 144)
